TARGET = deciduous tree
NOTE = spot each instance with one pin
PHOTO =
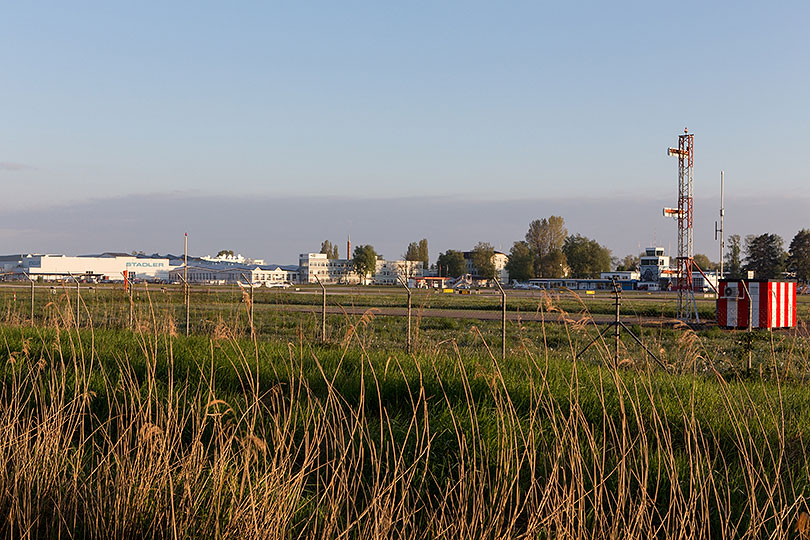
(521, 262)
(365, 261)
(451, 263)
(553, 265)
(629, 263)
(585, 257)
(545, 237)
(482, 255)
(704, 263)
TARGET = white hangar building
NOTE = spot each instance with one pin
(106, 267)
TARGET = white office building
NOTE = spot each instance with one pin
(327, 270)
(391, 272)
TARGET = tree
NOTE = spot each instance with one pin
(481, 257)
(364, 261)
(451, 263)
(798, 260)
(418, 251)
(629, 263)
(585, 257)
(225, 253)
(704, 263)
(521, 262)
(331, 250)
(553, 265)
(424, 256)
(764, 255)
(733, 261)
(545, 237)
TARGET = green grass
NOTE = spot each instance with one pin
(114, 432)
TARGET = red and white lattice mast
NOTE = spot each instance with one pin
(687, 309)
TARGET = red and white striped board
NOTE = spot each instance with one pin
(771, 302)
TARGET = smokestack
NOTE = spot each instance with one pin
(348, 247)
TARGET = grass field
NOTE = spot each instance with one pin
(119, 430)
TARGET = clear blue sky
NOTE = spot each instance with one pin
(472, 99)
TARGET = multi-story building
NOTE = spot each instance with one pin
(269, 275)
(391, 272)
(327, 270)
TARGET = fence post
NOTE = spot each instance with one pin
(78, 297)
(252, 327)
(404, 284)
(503, 319)
(128, 292)
(750, 322)
(323, 309)
(32, 297)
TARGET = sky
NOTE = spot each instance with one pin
(271, 126)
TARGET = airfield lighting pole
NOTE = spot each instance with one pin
(185, 281)
(323, 309)
(503, 319)
(686, 296)
(404, 284)
(720, 230)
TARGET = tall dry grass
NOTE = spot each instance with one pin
(433, 446)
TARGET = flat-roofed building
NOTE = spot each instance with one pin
(327, 270)
(105, 267)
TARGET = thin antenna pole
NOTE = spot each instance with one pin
(722, 214)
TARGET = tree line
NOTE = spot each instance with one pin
(765, 255)
(547, 250)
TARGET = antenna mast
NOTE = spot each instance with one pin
(687, 309)
(720, 230)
